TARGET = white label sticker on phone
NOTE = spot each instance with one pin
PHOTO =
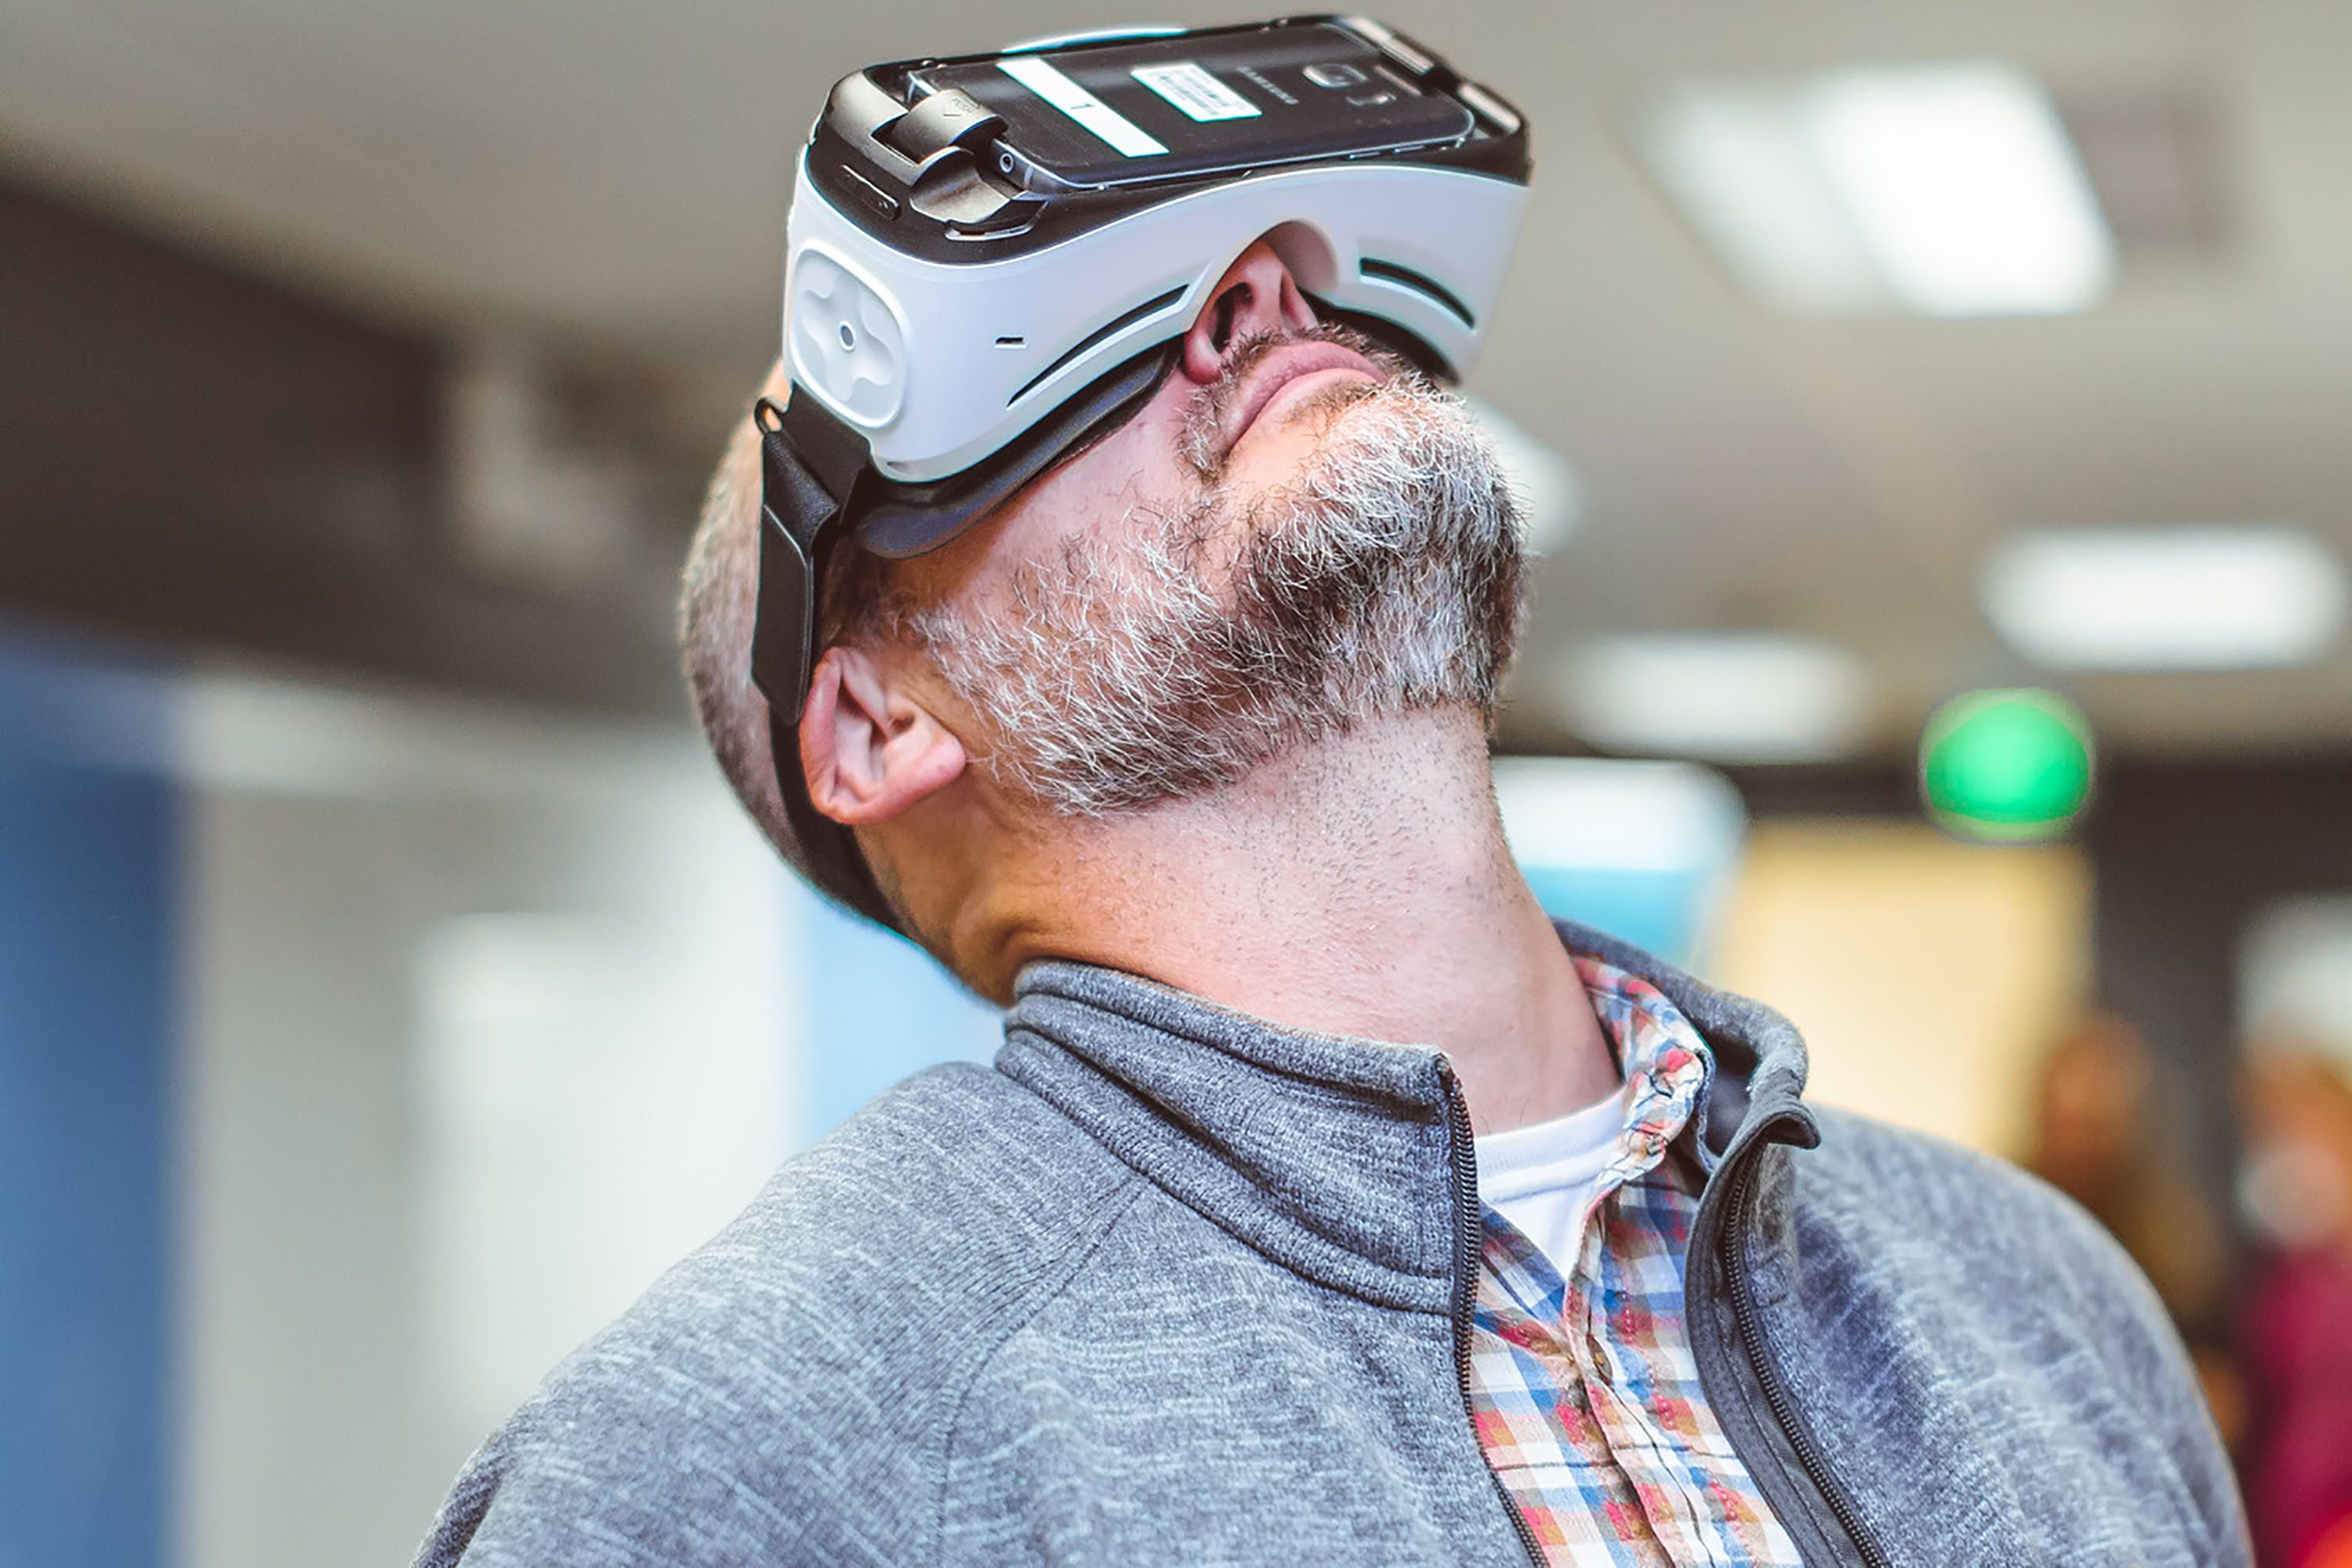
(1191, 88)
(1124, 137)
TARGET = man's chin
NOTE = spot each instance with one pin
(1287, 445)
(1357, 423)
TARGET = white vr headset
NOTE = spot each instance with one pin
(993, 259)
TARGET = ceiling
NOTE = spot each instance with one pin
(615, 174)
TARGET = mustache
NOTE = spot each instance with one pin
(1204, 442)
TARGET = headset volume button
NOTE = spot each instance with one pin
(871, 194)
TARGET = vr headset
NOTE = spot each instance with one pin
(990, 260)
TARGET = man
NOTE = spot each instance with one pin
(1182, 756)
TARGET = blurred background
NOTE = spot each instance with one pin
(1934, 421)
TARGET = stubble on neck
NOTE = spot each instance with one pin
(1359, 887)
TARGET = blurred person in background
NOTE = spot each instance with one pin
(2096, 1138)
(2297, 1324)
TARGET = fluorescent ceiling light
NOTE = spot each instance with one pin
(2295, 986)
(1948, 190)
(2165, 598)
(1550, 496)
(1726, 697)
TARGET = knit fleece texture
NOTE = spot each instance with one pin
(1171, 1284)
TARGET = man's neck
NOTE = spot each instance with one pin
(1359, 887)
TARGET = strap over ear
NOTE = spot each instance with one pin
(809, 465)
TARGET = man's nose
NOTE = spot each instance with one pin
(1257, 294)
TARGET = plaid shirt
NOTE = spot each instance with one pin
(1585, 1395)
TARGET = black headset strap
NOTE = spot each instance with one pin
(809, 465)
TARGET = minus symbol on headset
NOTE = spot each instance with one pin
(1013, 343)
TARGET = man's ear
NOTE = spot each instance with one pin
(870, 748)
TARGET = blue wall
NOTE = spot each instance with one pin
(878, 1010)
(1657, 912)
(87, 854)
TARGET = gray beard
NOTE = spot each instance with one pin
(1200, 643)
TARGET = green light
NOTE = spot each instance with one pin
(2011, 765)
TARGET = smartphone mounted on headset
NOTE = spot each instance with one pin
(1083, 122)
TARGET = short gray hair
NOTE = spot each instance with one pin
(717, 608)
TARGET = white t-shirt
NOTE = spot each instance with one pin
(1540, 1177)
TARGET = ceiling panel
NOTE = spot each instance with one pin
(618, 173)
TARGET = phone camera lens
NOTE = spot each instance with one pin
(1334, 75)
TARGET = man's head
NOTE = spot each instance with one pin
(1294, 537)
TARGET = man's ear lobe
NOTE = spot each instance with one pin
(870, 748)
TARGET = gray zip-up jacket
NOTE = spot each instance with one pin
(1170, 1284)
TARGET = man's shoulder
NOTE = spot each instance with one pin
(1918, 1277)
(922, 1205)
(1927, 1168)
(1992, 1225)
(813, 1346)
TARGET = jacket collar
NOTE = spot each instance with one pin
(1332, 1155)
(1758, 1094)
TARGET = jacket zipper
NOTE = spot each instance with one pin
(1784, 1410)
(1462, 1149)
